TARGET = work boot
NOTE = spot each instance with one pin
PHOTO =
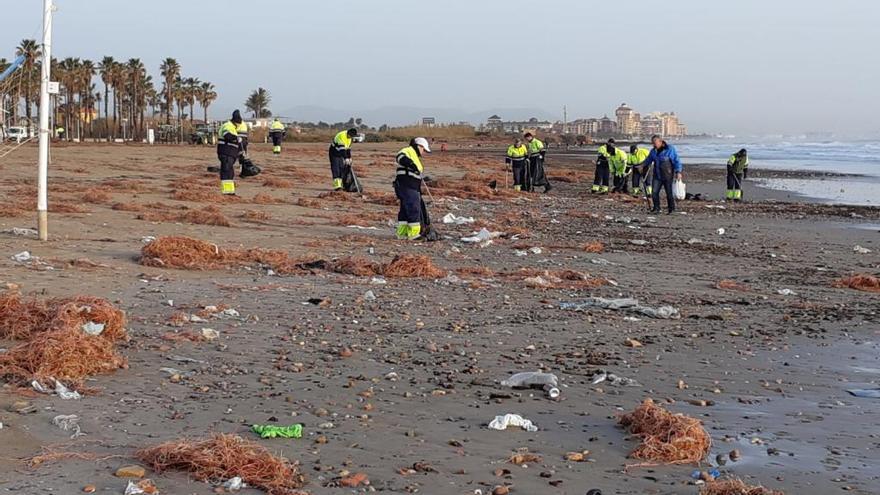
(227, 187)
(654, 210)
(548, 188)
(337, 184)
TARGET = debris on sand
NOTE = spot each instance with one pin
(209, 215)
(451, 218)
(354, 265)
(667, 438)
(735, 487)
(225, 456)
(628, 304)
(867, 283)
(501, 423)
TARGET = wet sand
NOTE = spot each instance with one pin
(775, 368)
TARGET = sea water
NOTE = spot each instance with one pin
(859, 160)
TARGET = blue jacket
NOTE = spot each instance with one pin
(666, 153)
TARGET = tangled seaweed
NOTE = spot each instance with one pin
(225, 456)
(57, 344)
(859, 281)
(735, 487)
(667, 438)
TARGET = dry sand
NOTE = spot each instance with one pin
(772, 370)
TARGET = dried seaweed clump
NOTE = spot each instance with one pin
(412, 266)
(867, 283)
(667, 438)
(57, 339)
(735, 487)
(727, 284)
(225, 456)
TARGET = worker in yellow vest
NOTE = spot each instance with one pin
(737, 170)
(340, 156)
(535, 176)
(517, 158)
(610, 158)
(635, 161)
(228, 151)
(277, 132)
(408, 188)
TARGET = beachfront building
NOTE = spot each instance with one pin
(494, 123)
(628, 121)
(665, 124)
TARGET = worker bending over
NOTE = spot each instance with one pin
(635, 161)
(408, 188)
(228, 150)
(340, 156)
(667, 168)
(737, 170)
(517, 158)
(535, 173)
(609, 158)
(277, 133)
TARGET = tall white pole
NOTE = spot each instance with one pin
(43, 160)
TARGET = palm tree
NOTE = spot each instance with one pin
(257, 102)
(85, 73)
(136, 74)
(170, 70)
(106, 69)
(31, 52)
(207, 95)
(190, 94)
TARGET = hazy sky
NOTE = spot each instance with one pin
(744, 66)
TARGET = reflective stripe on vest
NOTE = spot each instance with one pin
(413, 155)
(341, 141)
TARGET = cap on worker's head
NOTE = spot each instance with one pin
(742, 151)
(611, 141)
(527, 135)
(236, 117)
(633, 148)
(420, 141)
(352, 132)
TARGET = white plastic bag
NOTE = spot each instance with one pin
(679, 190)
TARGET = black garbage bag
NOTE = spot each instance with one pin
(249, 169)
(539, 178)
(214, 169)
(428, 231)
(350, 181)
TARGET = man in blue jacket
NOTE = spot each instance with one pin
(667, 167)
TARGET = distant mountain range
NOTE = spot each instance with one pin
(403, 115)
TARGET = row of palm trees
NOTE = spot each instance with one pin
(127, 89)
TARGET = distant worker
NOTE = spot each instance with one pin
(610, 158)
(340, 156)
(408, 188)
(228, 151)
(737, 170)
(535, 175)
(635, 161)
(59, 132)
(667, 168)
(517, 158)
(277, 132)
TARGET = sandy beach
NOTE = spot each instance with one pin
(398, 378)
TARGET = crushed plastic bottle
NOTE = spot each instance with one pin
(548, 382)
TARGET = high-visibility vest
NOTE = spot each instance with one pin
(515, 153)
(227, 148)
(413, 155)
(242, 130)
(638, 157)
(341, 141)
(617, 161)
(277, 126)
(738, 164)
(535, 147)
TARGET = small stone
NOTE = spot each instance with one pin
(346, 353)
(133, 471)
(90, 489)
(734, 455)
(632, 343)
(500, 490)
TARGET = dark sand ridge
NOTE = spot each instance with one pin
(780, 364)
